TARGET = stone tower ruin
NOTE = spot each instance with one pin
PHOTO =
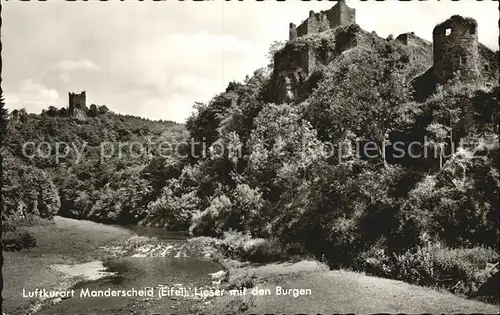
(339, 14)
(455, 50)
(77, 105)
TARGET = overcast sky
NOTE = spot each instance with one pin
(155, 59)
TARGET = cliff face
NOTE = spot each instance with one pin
(297, 67)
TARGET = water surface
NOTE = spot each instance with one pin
(140, 273)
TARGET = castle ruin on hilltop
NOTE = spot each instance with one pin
(339, 14)
(454, 53)
(77, 107)
(456, 49)
(458, 55)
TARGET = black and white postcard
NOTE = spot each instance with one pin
(249, 157)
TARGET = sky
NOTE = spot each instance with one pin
(155, 59)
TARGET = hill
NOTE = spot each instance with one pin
(79, 168)
(340, 151)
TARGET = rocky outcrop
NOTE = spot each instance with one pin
(296, 66)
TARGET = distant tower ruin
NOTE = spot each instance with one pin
(339, 14)
(455, 50)
(293, 32)
(77, 105)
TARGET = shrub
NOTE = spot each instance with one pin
(27, 191)
(434, 264)
(239, 211)
(172, 212)
(205, 222)
(258, 250)
(16, 241)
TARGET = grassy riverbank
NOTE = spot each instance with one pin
(336, 291)
(65, 241)
(70, 251)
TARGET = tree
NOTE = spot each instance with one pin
(93, 111)
(52, 111)
(63, 112)
(23, 115)
(273, 49)
(364, 94)
(103, 109)
(3, 128)
(284, 153)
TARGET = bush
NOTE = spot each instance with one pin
(457, 269)
(206, 222)
(27, 191)
(239, 211)
(172, 212)
(16, 241)
(460, 270)
(243, 246)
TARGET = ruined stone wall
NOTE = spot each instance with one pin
(411, 39)
(420, 52)
(315, 23)
(293, 32)
(77, 104)
(406, 39)
(455, 50)
(300, 59)
(488, 65)
(347, 15)
(339, 14)
(302, 29)
(351, 36)
(291, 66)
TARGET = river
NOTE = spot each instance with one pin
(81, 255)
(154, 258)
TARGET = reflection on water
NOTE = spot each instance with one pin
(153, 269)
(93, 270)
(138, 273)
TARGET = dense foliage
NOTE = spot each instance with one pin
(289, 173)
(101, 168)
(429, 218)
